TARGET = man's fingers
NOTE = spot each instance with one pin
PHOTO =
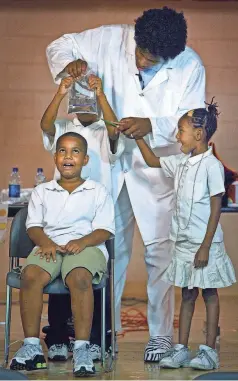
(131, 131)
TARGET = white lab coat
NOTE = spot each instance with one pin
(178, 87)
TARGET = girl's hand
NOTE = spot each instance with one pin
(201, 257)
(95, 83)
(65, 85)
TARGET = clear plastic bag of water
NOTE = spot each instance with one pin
(82, 99)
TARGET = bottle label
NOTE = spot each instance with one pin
(14, 190)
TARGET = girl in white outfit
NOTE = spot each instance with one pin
(199, 256)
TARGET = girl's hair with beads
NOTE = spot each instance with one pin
(205, 118)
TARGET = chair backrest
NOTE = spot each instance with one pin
(20, 244)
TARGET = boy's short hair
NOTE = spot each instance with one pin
(76, 136)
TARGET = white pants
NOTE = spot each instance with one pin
(157, 257)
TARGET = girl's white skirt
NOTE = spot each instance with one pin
(181, 272)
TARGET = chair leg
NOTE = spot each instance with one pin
(7, 324)
(103, 327)
(112, 292)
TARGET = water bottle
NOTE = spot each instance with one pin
(14, 189)
(40, 177)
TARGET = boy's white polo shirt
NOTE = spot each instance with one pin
(67, 216)
(194, 199)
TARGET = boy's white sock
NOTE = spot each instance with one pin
(32, 340)
(79, 343)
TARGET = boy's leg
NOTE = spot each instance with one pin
(59, 311)
(35, 276)
(79, 282)
(57, 336)
(33, 280)
(79, 272)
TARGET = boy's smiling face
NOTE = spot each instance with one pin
(70, 157)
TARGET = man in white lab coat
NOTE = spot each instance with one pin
(150, 79)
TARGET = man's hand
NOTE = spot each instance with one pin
(76, 68)
(75, 246)
(135, 128)
(201, 257)
(95, 83)
(65, 85)
(49, 250)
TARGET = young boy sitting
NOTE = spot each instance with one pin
(69, 221)
(98, 168)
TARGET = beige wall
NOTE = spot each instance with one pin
(26, 86)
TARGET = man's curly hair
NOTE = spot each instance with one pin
(162, 32)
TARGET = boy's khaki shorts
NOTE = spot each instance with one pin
(90, 258)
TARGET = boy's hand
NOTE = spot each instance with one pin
(65, 85)
(201, 257)
(95, 83)
(49, 250)
(75, 246)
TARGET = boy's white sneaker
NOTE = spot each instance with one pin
(58, 352)
(83, 362)
(177, 357)
(29, 357)
(206, 359)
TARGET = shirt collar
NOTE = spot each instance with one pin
(54, 186)
(192, 160)
(95, 125)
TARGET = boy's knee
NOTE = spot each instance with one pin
(189, 295)
(32, 275)
(79, 278)
(209, 294)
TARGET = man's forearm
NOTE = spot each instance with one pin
(37, 235)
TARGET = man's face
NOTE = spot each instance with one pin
(145, 60)
(87, 119)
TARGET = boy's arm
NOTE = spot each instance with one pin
(103, 224)
(34, 226)
(148, 155)
(108, 113)
(93, 239)
(50, 115)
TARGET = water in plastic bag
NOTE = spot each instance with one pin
(81, 98)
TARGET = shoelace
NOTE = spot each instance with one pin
(202, 353)
(26, 349)
(57, 347)
(83, 354)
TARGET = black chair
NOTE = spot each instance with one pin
(20, 246)
(218, 376)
